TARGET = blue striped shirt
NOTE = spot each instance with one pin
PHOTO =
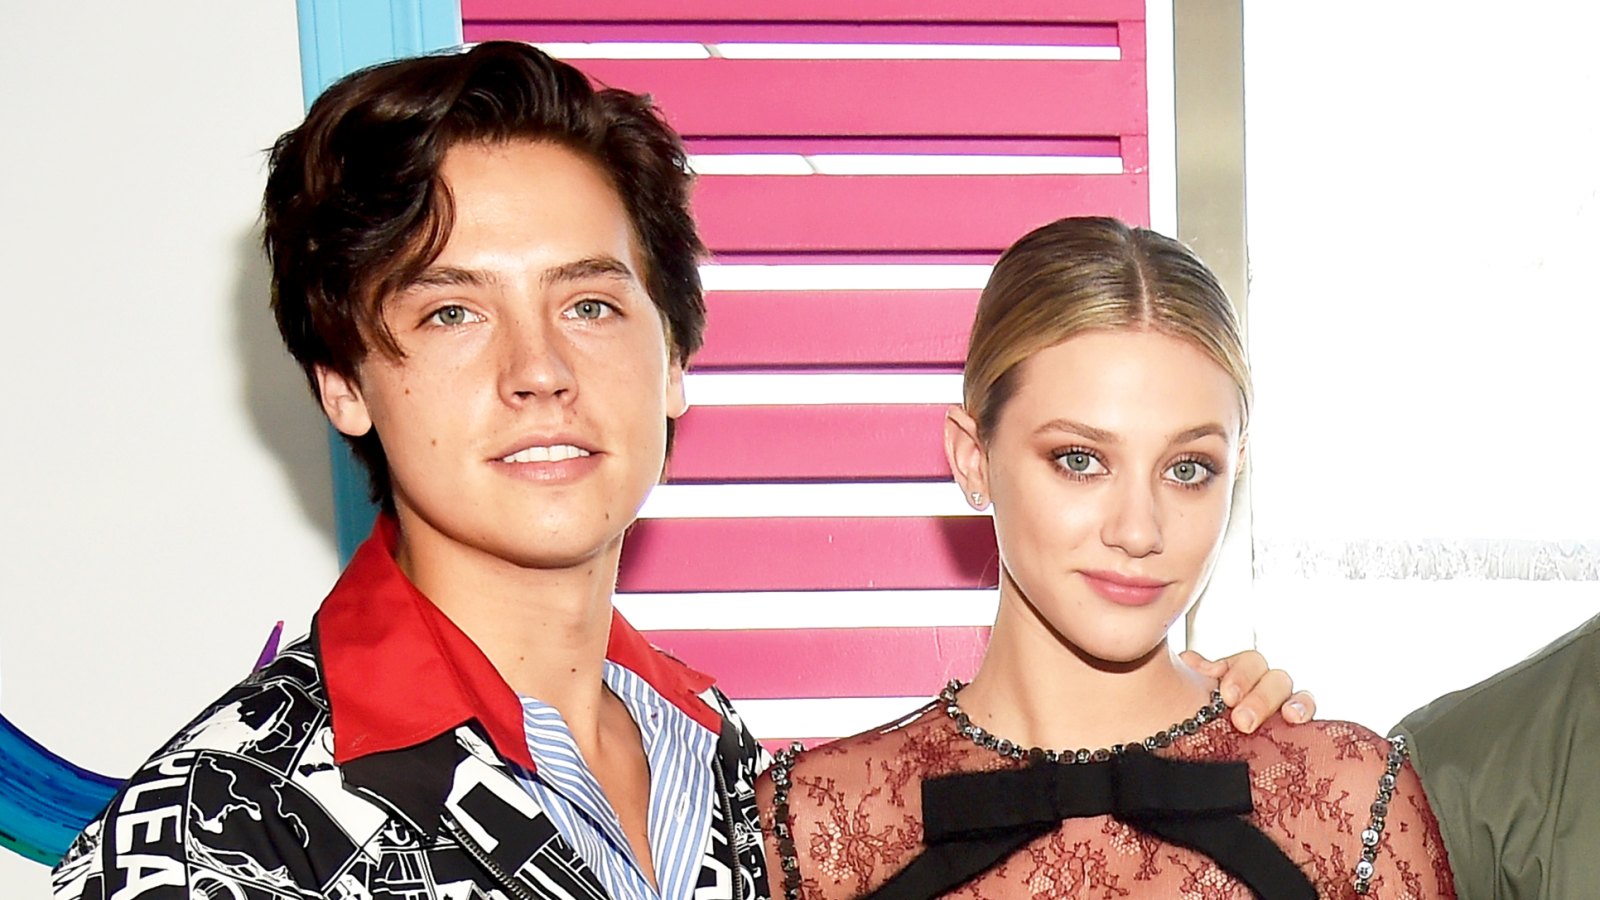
(680, 752)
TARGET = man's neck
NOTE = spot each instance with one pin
(544, 630)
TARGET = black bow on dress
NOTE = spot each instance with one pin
(974, 820)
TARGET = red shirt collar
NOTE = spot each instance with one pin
(399, 672)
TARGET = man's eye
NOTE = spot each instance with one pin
(450, 316)
(592, 309)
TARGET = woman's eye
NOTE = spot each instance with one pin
(591, 309)
(450, 316)
(1079, 462)
(1189, 472)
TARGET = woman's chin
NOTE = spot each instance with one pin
(1117, 652)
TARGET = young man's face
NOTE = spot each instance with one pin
(527, 418)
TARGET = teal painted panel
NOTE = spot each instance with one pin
(338, 37)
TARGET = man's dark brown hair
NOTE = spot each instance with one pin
(355, 207)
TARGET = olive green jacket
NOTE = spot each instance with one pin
(1512, 769)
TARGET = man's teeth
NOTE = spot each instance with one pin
(556, 453)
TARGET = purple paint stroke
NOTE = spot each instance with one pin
(269, 652)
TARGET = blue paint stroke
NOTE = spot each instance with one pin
(44, 800)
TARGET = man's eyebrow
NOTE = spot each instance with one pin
(1200, 431)
(450, 276)
(1080, 429)
(588, 267)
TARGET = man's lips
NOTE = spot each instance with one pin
(553, 459)
(545, 453)
(545, 449)
(1126, 590)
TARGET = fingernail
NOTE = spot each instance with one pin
(1245, 719)
(1298, 708)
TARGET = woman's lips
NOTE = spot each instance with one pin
(1123, 589)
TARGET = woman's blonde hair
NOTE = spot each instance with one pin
(1093, 274)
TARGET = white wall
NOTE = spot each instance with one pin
(1424, 208)
(165, 499)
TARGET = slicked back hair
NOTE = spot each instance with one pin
(1085, 274)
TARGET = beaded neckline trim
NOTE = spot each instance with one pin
(1213, 710)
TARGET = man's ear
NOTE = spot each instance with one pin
(342, 402)
(965, 454)
(677, 400)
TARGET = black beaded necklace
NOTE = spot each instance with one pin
(974, 732)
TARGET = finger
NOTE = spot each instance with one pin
(1301, 708)
(1245, 670)
(1268, 696)
(1202, 665)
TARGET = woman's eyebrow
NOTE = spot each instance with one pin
(1200, 431)
(1078, 428)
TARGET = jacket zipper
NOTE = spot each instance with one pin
(498, 871)
(727, 822)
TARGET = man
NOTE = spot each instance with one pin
(1511, 767)
(488, 271)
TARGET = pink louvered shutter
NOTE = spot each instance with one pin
(861, 166)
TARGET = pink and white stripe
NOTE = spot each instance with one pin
(862, 163)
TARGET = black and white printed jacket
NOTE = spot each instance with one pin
(248, 803)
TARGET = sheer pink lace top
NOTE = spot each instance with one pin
(856, 818)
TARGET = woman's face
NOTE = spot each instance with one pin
(1111, 471)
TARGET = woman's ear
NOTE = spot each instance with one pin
(965, 453)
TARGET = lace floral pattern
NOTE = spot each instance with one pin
(856, 818)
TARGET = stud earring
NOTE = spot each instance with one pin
(977, 498)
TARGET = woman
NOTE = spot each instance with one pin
(1105, 408)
